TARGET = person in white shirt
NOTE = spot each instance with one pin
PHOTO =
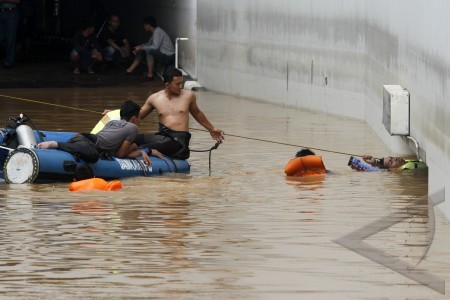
(159, 49)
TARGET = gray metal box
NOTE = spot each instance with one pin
(396, 109)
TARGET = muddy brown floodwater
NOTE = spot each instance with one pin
(242, 232)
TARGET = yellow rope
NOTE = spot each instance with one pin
(196, 129)
(51, 104)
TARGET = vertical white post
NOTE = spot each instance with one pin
(176, 50)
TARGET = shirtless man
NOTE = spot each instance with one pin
(173, 105)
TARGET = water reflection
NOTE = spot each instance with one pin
(245, 232)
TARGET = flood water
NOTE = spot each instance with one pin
(243, 231)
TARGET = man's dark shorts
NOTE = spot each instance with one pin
(174, 144)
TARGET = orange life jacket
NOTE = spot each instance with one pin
(95, 184)
(309, 165)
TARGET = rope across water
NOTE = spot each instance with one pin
(195, 129)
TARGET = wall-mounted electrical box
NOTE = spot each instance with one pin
(396, 109)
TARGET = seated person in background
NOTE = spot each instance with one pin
(85, 181)
(117, 138)
(391, 163)
(305, 163)
(158, 49)
(115, 47)
(86, 49)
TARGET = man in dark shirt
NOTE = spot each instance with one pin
(86, 49)
(115, 47)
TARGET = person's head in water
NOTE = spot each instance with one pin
(391, 162)
(129, 111)
(173, 81)
(304, 152)
(83, 172)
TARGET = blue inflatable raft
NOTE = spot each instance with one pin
(30, 164)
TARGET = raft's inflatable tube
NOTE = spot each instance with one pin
(24, 165)
(310, 165)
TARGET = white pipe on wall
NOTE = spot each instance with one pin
(176, 50)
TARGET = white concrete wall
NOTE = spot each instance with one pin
(281, 51)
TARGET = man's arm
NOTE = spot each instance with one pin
(145, 46)
(96, 44)
(375, 162)
(128, 149)
(126, 43)
(147, 108)
(201, 118)
(155, 42)
(127, 46)
(113, 44)
(137, 153)
(125, 148)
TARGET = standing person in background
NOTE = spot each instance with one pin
(159, 49)
(86, 49)
(115, 47)
(9, 20)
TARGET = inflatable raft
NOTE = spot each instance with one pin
(28, 164)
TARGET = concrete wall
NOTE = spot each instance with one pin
(284, 50)
(334, 56)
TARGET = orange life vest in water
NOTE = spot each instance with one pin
(309, 165)
(95, 184)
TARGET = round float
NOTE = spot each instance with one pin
(21, 166)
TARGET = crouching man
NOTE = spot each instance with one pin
(116, 138)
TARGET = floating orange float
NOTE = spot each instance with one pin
(310, 165)
(95, 184)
